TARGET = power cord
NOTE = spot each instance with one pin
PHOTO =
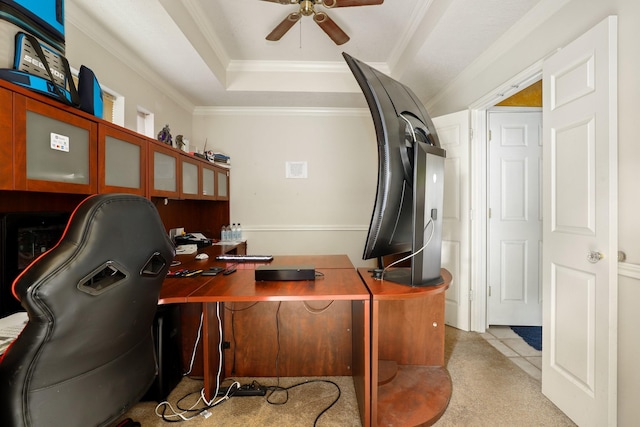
(233, 311)
(285, 390)
(179, 414)
(313, 310)
(416, 252)
(195, 346)
(271, 390)
(194, 411)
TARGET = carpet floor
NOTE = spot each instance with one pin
(488, 390)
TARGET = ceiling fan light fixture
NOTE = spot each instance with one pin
(306, 8)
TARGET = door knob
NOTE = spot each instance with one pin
(594, 256)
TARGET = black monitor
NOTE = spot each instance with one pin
(407, 215)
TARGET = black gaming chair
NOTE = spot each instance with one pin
(87, 354)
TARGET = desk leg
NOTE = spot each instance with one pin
(361, 357)
(210, 343)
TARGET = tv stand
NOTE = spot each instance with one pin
(410, 383)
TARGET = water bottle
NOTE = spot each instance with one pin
(223, 233)
(239, 233)
(234, 231)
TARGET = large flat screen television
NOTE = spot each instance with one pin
(407, 214)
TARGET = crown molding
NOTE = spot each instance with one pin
(281, 111)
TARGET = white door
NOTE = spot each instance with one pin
(453, 132)
(579, 355)
(514, 294)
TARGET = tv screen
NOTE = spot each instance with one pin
(407, 214)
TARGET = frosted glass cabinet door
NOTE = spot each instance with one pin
(208, 183)
(223, 185)
(122, 162)
(189, 180)
(55, 150)
(165, 172)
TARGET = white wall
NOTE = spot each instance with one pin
(118, 76)
(573, 18)
(327, 213)
(629, 346)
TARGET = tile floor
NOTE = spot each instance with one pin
(515, 348)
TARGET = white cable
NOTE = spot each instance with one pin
(213, 402)
(202, 398)
(195, 347)
(415, 253)
(177, 414)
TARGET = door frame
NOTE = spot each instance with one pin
(480, 191)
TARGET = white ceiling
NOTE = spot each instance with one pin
(214, 52)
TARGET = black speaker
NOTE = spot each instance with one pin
(168, 346)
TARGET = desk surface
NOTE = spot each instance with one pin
(386, 290)
(338, 280)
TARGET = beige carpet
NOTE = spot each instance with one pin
(303, 405)
(488, 390)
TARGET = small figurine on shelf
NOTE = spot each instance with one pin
(179, 142)
(165, 135)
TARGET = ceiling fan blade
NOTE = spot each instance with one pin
(282, 1)
(331, 28)
(282, 28)
(349, 3)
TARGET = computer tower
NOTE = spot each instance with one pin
(168, 346)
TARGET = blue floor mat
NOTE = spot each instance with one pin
(531, 334)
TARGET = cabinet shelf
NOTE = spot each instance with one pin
(417, 395)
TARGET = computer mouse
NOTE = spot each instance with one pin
(202, 256)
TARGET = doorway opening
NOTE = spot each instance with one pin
(520, 93)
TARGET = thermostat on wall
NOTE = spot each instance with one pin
(296, 170)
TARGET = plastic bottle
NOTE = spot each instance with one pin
(223, 233)
(239, 233)
(234, 231)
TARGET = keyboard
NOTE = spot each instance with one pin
(245, 258)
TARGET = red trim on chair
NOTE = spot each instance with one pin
(13, 284)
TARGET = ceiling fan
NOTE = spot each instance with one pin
(307, 8)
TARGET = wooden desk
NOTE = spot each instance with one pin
(319, 327)
(410, 383)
